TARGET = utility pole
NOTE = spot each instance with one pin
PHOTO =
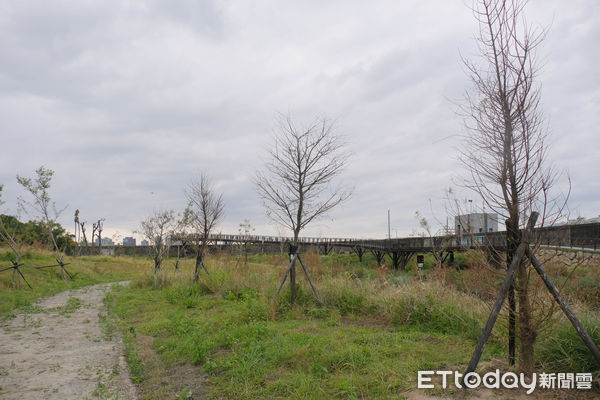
(389, 231)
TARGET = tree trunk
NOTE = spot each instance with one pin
(293, 251)
(156, 263)
(511, 248)
(198, 265)
(527, 333)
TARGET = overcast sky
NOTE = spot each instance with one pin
(126, 101)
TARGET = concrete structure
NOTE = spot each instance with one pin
(145, 243)
(475, 223)
(128, 241)
(106, 241)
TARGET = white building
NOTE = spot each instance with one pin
(106, 241)
(475, 223)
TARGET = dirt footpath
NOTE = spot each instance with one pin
(57, 349)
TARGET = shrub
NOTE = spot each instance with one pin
(564, 350)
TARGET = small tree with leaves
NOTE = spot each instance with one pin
(158, 228)
(41, 206)
(297, 181)
(204, 211)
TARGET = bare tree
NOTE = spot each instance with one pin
(244, 230)
(505, 149)
(43, 207)
(439, 241)
(85, 241)
(158, 228)
(296, 182)
(204, 211)
(77, 231)
(97, 228)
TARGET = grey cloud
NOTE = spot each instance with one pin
(127, 101)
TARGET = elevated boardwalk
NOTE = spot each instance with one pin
(399, 250)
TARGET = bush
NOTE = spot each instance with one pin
(565, 351)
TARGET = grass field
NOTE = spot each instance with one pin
(47, 281)
(375, 329)
(227, 338)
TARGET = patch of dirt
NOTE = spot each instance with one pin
(167, 381)
(57, 350)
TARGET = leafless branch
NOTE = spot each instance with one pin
(204, 211)
(296, 182)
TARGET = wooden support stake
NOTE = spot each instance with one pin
(564, 306)
(62, 267)
(20, 273)
(310, 281)
(15, 268)
(510, 275)
(287, 271)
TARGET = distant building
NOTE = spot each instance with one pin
(475, 223)
(144, 242)
(128, 241)
(583, 220)
(106, 241)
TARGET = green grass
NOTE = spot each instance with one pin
(248, 355)
(368, 339)
(45, 282)
(374, 330)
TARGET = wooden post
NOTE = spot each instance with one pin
(293, 253)
(22, 276)
(16, 270)
(310, 280)
(564, 306)
(64, 270)
(359, 253)
(395, 257)
(293, 283)
(61, 265)
(378, 256)
(510, 275)
(287, 271)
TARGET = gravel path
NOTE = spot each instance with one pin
(58, 350)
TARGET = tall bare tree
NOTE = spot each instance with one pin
(296, 183)
(85, 241)
(204, 211)
(43, 207)
(506, 148)
(158, 228)
(97, 228)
